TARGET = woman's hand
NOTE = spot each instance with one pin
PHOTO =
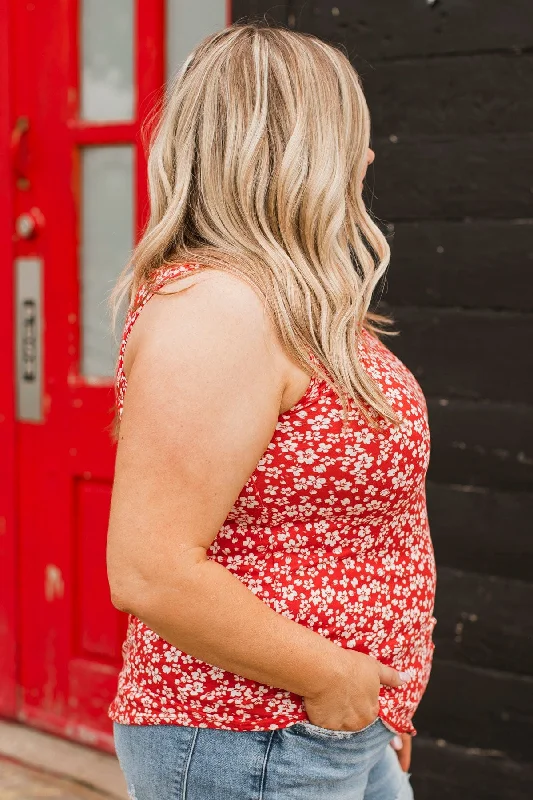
(402, 743)
(351, 701)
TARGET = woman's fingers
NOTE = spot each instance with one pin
(391, 677)
(404, 753)
(396, 743)
(402, 744)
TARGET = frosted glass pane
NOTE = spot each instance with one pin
(107, 59)
(106, 245)
(187, 24)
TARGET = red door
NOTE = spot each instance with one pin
(84, 73)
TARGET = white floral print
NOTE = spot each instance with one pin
(331, 531)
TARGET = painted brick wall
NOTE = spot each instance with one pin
(449, 88)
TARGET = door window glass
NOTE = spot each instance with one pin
(187, 24)
(107, 231)
(107, 59)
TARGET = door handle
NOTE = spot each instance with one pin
(19, 152)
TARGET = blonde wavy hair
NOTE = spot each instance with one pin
(255, 168)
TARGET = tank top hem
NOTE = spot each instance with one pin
(139, 718)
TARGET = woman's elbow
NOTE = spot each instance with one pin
(140, 591)
(127, 582)
(128, 594)
(120, 599)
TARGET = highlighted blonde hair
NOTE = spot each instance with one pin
(255, 168)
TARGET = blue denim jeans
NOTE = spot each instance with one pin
(301, 762)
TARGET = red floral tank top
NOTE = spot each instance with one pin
(330, 530)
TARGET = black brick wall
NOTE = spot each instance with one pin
(450, 89)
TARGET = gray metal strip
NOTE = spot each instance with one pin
(29, 338)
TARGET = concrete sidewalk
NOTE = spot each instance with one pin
(18, 782)
(35, 764)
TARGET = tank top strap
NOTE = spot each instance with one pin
(161, 276)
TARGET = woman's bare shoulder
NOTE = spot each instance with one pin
(204, 300)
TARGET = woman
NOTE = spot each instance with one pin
(268, 532)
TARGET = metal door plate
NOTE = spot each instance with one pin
(29, 338)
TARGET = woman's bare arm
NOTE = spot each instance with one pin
(203, 398)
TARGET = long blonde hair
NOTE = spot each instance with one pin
(255, 168)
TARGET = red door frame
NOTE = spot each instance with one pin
(8, 523)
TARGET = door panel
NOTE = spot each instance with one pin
(98, 632)
(84, 87)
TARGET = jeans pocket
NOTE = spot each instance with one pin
(334, 734)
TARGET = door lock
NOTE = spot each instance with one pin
(29, 223)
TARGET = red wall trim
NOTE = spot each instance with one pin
(8, 538)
